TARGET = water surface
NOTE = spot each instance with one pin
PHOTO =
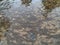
(29, 26)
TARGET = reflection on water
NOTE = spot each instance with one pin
(4, 25)
(4, 4)
(0, 0)
(34, 22)
(4, 22)
(26, 2)
(49, 4)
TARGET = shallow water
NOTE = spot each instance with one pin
(29, 26)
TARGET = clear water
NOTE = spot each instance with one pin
(29, 26)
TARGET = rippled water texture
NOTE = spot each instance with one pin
(32, 23)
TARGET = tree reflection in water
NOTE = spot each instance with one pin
(0, 0)
(4, 25)
(26, 2)
(4, 4)
(49, 5)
